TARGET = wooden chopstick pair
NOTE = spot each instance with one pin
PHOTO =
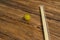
(44, 23)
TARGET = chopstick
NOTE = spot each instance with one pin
(44, 23)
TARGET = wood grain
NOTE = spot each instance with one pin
(14, 27)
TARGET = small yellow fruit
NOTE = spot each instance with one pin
(27, 17)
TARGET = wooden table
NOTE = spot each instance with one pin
(14, 27)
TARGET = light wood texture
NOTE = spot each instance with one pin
(13, 27)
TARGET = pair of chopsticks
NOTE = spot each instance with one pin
(44, 23)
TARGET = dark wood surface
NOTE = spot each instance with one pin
(13, 27)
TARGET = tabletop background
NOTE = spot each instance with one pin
(14, 27)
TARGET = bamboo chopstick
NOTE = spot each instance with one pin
(44, 23)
